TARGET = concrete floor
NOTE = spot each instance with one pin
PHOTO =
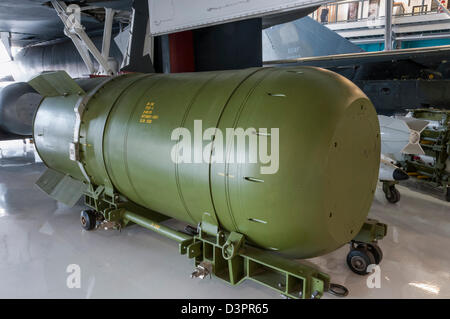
(39, 238)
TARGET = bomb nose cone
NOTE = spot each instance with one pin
(400, 175)
(18, 104)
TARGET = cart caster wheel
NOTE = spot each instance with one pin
(392, 194)
(359, 259)
(376, 252)
(88, 219)
(338, 290)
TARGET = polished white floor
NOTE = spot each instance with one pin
(40, 238)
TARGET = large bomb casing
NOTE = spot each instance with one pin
(329, 150)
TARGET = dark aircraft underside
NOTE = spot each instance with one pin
(33, 21)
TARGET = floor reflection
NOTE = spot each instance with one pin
(40, 238)
(18, 153)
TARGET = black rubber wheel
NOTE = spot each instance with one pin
(359, 259)
(338, 290)
(447, 195)
(392, 194)
(376, 252)
(88, 219)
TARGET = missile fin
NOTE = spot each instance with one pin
(413, 149)
(415, 124)
(61, 187)
(57, 83)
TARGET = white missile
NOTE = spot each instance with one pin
(389, 172)
(401, 135)
(429, 160)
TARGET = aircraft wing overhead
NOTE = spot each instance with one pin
(34, 21)
(429, 56)
(179, 15)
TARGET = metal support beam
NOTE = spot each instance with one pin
(6, 40)
(75, 31)
(83, 51)
(165, 49)
(388, 27)
(156, 227)
(95, 52)
(149, 44)
(138, 55)
(107, 31)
